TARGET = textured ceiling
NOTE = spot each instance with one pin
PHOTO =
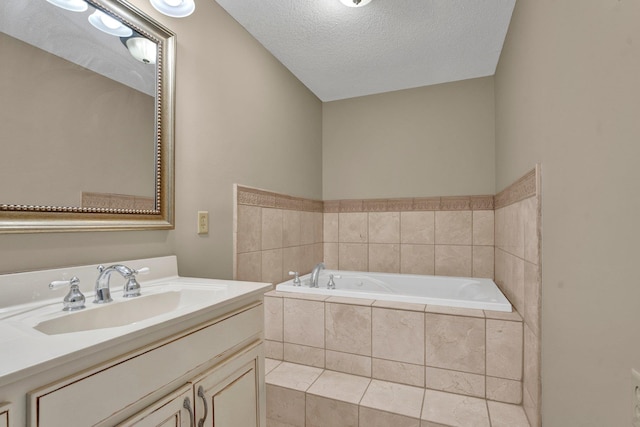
(342, 52)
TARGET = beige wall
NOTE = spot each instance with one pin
(430, 141)
(568, 96)
(58, 132)
(240, 117)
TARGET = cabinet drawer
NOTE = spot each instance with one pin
(93, 396)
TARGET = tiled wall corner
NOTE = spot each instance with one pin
(518, 230)
(275, 234)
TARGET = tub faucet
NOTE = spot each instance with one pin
(131, 287)
(315, 273)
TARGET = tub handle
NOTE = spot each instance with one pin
(296, 279)
(332, 284)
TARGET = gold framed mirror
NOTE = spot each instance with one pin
(87, 106)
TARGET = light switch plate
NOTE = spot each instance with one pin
(203, 222)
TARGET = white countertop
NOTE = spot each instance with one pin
(25, 351)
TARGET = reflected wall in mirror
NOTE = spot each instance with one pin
(86, 106)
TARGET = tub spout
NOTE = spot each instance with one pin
(315, 273)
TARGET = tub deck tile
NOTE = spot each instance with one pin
(377, 403)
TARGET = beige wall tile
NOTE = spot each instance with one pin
(324, 412)
(483, 228)
(532, 365)
(249, 228)
(308, 258)
(398, 335)
(384, 258)
(374, 418)
(353, 256)
(293, 376)
(510, 278)
(396, 305)
(453, 228)
(348, 363)
(292, 261)
(513, 229)
(250, 266)
(291, 228)
(455, 342)
(285, 406)
(455, 382)
(340, 386)
(273, 350)
(384, 227)
(454, 311)
(304, 322)
(305, 355)
(504, 349)
(353, 227)
(272, 266)
(504, 390)
(483, 261)
(348, 328)
(454, 410)
(331, 256)
(350, 300)
(270, 365)
(506, 415)
(417, 228)
(453, 260)
(307, 228)
(318, 227)
(273, 318)
(532, 297)
(530, 224)
(271, 228)
(531, 409)
(417, 259)
(330, 227)
(398, 372)
(397, 398)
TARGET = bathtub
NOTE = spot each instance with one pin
(463, 292)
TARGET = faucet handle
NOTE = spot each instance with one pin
(74, 300)
(132, 287)
(296, 279)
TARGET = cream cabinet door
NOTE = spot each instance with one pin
(230, 395)
(174, 410)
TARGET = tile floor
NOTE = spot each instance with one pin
(304, 396)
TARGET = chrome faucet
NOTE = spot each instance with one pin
(315, 273)
(131, 287)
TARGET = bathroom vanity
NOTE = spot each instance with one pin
(186, 352)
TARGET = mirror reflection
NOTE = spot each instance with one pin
(78, 108)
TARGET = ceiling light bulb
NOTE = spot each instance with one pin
(109, 25)
(72, 5)
(174, 8)
(355, 3)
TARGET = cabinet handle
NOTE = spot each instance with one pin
(204, 402)
(187, 405)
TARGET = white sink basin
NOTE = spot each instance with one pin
(157, 303)
(123, 312)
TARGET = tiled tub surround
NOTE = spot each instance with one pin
(445, 236)
(518, 273)
(462, 357)
(275, 234)
(471, 352)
